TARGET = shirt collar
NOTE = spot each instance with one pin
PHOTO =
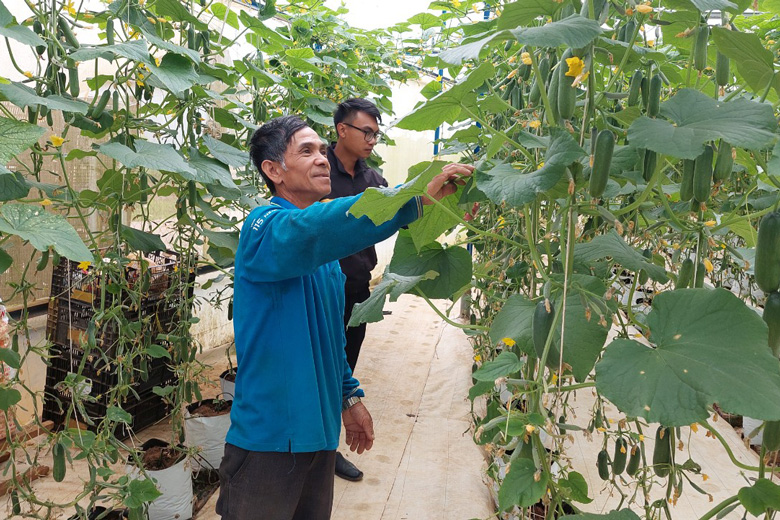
(279, 201)
(360, 165)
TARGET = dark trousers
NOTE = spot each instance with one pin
(255, 485)
(355, 335)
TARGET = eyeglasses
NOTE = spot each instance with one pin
(368, 135)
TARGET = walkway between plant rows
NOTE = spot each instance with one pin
(416, 372)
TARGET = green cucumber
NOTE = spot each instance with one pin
(700, 48)
(654, 96)
(602, 161)
(602, 463)
(567, 93)
(544, 70)
(767, 263)
(540, 330)
(634, 88)
(685, 275)
(630, 27)
(58, 467)
(644, 91)
(552, 91)
(71, 40)
(619, 459)
(701, 271)
(43, 262)
(110, 31)
(73, 80)
(686, 184)
(702, 175)
(649, 164)
(724, 163)
(772, 318)
(100, 106)
(662, 452)
(722, 72)
(633, 462)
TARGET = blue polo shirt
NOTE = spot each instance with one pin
(288, 317)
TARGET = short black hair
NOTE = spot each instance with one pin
(270, 141)
(347, 110)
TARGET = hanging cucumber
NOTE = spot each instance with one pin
(70, 39)
(685, 276)
(654, 96)
(700, 48)
(662, 452)
(633, 461)
(100, 106)
(73, 79)
(43, 262)
(110, 31)
(619, 459)
(544, 70)
(602, 162)
(767, 263)
(702, 175)
(686, 184)
(552, 91)
(602, 463)
(722, 72)
(567, 93)
(38, 29)
(58, 467)
(724, 163)
(644, 91)
(192, 38)
(192, 190)
(115, 102)
(649, 164)
(540, 330)
(701, 271)
(630, 27)
(634, 88)
(772, 318)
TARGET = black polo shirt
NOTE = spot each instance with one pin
(356, 267)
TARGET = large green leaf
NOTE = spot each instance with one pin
(623, 514)
(23, 96)
(43, 230)
(708, 346)
(697, 119)
(6, 261)
(514, 321)
(524, 12)
(447, 106)
(472, 50)
(713, 5)
(16, 137)
(141, 240)
(504, 183)
(174, 10)
(452, 263)
(575, 488)
(175, 72)
(434, 221)
(394, 285)
(227, 154)
(381, 204)
(9, 397)
(135, 50)
(754, 62)
(573, 31)
(12, 186)
(140, 492)
(519, 487)
(172, 47)
(21, 34)
(153, 156)
(210, 171)
(505, 364)
(613, 246)
(759, 497)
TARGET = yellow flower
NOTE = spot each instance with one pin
(575, 66)
(708, 265)
(526, 57)
(477, 358)
(438, 78)
(529, 428)
(651, 43)
(84, 265)
(705, 477)
(56, 140)
(629, 12)
(28, 74)
(398, 61)
(70, 9)
(641, 438)
(152, 19)
(455, 3)
(541, 165)
(710, 223)
(509, 342)
(46, 202)
(500, 222)
(644, 8)
(695, 427)
(535, 123)
(157, 61)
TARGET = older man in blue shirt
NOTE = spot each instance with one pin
(294, 386)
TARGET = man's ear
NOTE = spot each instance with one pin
(273, 170)
(341, 130)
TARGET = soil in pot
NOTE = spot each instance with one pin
(211, 408)
(229, 375)
(157, 458)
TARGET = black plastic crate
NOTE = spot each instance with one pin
(144, 412)
(102, 376)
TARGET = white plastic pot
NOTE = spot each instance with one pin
(748, 426)
(228, 387)
(175, 484)
(208, 434)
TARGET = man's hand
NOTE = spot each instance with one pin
(447, 182)
(359, 428)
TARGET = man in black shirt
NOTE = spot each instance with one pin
(357, 125)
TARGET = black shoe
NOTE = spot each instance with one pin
(346, 470)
